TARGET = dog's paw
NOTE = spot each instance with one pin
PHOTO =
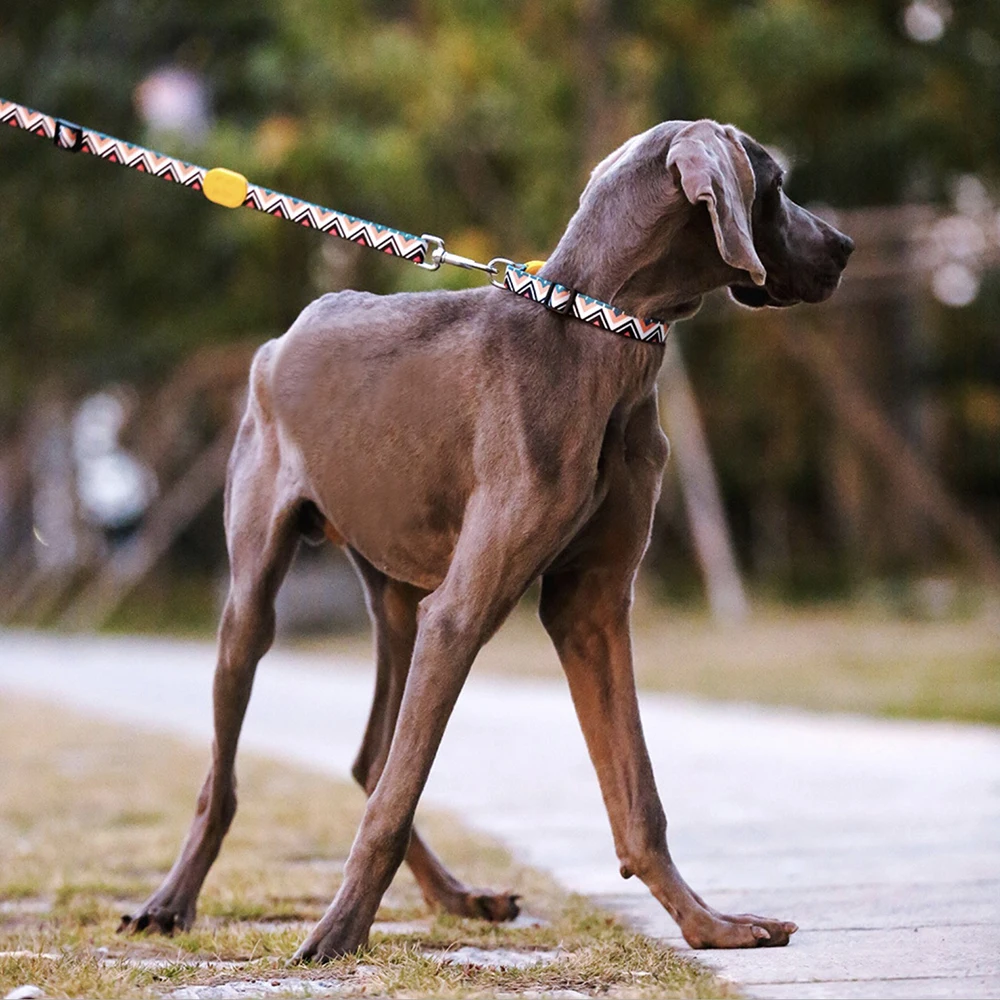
(477, 904)
(744, 930)
(155, 920)
(497, 907)
(325, 945)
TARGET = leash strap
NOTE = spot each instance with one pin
(568, 302)
(226, 187)
(77, 139)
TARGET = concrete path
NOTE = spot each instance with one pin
(881, 839)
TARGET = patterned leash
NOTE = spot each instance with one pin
(231, 189)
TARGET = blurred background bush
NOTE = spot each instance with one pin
(852, 448)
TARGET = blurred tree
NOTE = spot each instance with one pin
(104, 274)
(478, 121)
(472, 119)
(866, 113)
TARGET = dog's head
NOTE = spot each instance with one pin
(803, 256)
(700, 205)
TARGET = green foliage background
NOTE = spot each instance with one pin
(475, 120)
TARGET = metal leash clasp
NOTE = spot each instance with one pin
(438, 255)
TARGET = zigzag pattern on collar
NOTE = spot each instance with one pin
(568, 302)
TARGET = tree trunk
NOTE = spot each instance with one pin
(700, 489)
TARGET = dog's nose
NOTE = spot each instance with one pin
(843, 247)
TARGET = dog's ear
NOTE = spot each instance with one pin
(713, 167)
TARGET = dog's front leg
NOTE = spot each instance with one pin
(587, 616)
(497, 555)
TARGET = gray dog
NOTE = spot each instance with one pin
(461, 445)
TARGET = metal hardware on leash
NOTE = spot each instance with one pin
(501, 282)
(439, 255)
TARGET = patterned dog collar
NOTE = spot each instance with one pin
(568, 302)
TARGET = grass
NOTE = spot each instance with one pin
(840, 659)
(91, 816)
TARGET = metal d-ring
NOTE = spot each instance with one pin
(433, 256)
(494, 266)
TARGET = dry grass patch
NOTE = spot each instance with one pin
(91, 816)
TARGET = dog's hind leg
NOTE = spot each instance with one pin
(393, 609)
(262, 514)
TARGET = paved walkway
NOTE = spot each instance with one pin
(881, 839)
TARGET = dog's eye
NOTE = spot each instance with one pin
(779, 182)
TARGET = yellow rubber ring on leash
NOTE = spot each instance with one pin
(534, 266)
(225, 187)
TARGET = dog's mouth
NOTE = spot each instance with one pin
(757, 297)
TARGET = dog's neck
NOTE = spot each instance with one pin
(659, 271)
